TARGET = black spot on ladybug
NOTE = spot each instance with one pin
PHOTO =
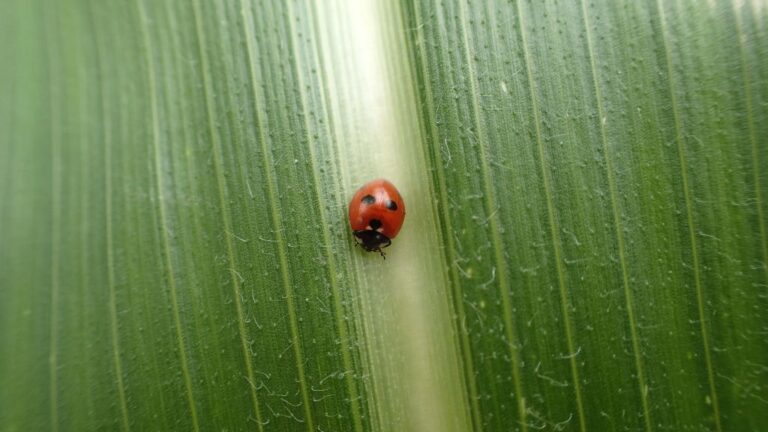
(374, 224)
(368, 199)
(391, 205)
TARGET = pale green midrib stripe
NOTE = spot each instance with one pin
(56, 190)
(107, 137)
(617, 224)
(402, 91)
(551, 219)
(449, 258)
(163, 217)
(218, 167)
(338, 307)
(492, 211)
(745, 76)
(689, 214)
(331, 28)
(335, 28)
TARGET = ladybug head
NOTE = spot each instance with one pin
(372, 240)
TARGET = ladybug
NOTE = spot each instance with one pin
(376, 214)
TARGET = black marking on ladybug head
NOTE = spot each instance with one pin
(374, 224)
(391, 205)
(372, 241)
(368, 199)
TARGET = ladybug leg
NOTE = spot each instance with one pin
(383, 255)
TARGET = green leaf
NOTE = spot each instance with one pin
(585, 246)
(602, 201)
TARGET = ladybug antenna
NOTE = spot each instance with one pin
(383, 255)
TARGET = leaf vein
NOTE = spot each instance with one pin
(272, 196)
(55, 241)
(617, 224)
(431, 133)
(338, 306)
(491, 207)
(689, 214)
(110, 253)
(752, 137)
(163, 217)
(548, 194)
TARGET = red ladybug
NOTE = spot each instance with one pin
(376, 214)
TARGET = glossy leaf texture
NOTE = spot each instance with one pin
(585, 247)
